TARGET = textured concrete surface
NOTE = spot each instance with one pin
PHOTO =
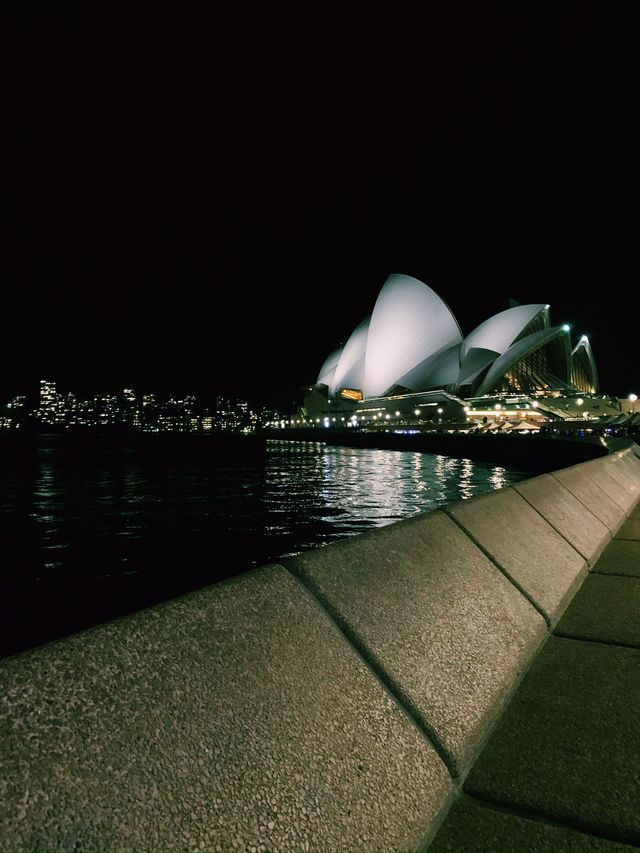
(567, 746)
(625, 466)
(473, 827)
(579, 482)
(525, 546)
(569, 516)
(621, 557)
(612, 477)
(605, 608)
(435, 617)
(560, 771)
(235, 718)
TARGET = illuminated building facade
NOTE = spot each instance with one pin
(411, 344)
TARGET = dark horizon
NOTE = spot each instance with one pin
(212, 200)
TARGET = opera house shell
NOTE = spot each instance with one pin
(411, 342)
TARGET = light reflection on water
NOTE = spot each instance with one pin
(91, 534)
(355, 489)
(121, 511)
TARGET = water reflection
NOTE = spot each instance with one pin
(119, 512)
(375, 487)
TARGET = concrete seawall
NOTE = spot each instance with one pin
(333, 702)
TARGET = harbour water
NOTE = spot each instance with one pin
(93, 529)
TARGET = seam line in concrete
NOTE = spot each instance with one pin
(378, 673)
(565, 636)
(458, 781)
(611, 574)
(538, 818)
(600, 489)
(559, 532)
(493, 560)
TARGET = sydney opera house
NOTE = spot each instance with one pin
(410, 351)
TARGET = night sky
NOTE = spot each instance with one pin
(207, 198)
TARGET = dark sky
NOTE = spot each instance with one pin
(208, 197)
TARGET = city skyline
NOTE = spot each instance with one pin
(61, 408)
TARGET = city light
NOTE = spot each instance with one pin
(56, 410)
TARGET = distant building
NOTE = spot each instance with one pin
(125, 410)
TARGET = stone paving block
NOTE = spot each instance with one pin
(435, 617)
(620, 557)
(579, 482)
(233, 718)
(472, 827)
(630, 529)
(605, 608)
(571, 518)
(613, 480)
(567, 745)
(522, 543)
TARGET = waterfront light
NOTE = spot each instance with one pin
(417, 412)
(579, 401)
(633, 398)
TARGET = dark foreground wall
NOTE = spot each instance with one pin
(330, 703)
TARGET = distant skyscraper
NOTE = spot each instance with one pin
(50, 405)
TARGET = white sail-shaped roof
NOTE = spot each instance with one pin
(498, 332)
(436, 371)
(582, 356)
(412, 342)
(328, 369)
(494, 336)
(558, 335)
(409, 323)
(349, 371)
